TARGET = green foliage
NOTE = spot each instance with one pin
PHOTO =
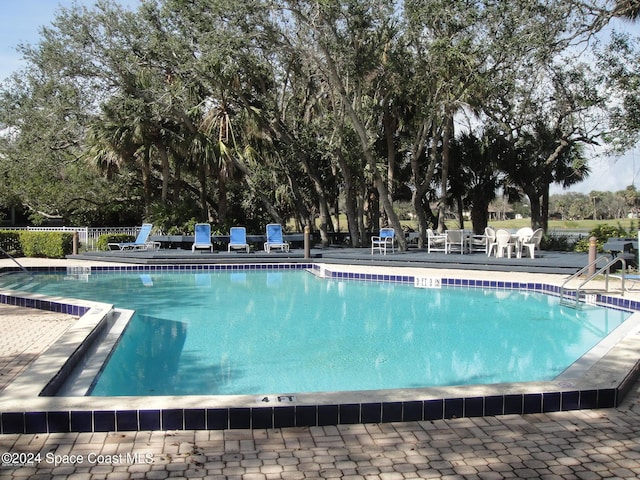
(179, 111)
(173, 218)
(107, 238)
(604, 233)
(46, 244)
(10, 242)
(558, 243)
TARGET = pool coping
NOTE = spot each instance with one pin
(601, 385)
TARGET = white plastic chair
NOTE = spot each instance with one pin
(490, 235)
(504, 242)
(522, 235)
(533, 242)
(383, 241)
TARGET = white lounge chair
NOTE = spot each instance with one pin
(238, 239)
(477, 243)
(275, 238)
(436, 242)
(202, 237)
(140, 243)
(384, 240)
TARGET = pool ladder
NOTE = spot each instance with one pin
(577, 298)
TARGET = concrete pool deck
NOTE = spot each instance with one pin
(573, 444)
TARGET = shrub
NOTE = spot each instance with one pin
(10, 242)
(46, 244)
(558, 243)
(602, 234)
(105, 239)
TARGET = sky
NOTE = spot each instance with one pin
(21, 21)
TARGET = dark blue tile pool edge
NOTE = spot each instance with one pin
(307, 415)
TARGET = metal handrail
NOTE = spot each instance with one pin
(16, 262)
(600, 271)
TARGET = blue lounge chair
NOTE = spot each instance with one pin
(275, 238)
(238, 239)
(202, 237)
(141, 242)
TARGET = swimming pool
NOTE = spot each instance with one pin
(252, 332)
(600, 379)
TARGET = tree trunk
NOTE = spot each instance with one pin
(202, 178)
(544, 220)
(479, 215)
(146, 181)
(389, 130)
(416, 201)
(421, 182)
(460, 212)
(447, 135)
(351, 202)
(223, 203)
(360, 202)
(166, 170)
(536, 209)
(323, 206)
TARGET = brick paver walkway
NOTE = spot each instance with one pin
(568, 445)
(24, 333)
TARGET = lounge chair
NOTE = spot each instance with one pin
(238, 239)
(533, 242)
(477, 243)
(436, 242)
(456, 240)
(140, 243)
(275, 238)
(625, 277)
(385, 239)
(202, 237)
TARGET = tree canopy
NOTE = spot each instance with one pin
(256, 111)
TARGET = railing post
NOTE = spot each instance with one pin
(75, 242)
(307, 242)
(593, 250)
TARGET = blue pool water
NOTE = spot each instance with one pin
(268, 331)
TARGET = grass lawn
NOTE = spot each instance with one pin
(629, 224)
